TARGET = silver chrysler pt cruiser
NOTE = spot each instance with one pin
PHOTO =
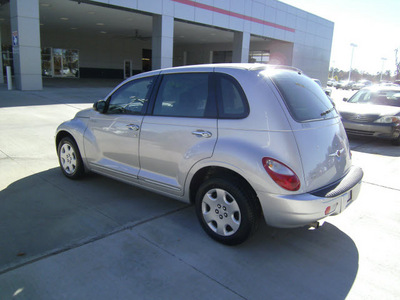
(239, 141)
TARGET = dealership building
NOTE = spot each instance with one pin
(118, 38)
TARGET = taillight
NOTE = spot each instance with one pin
(281, 174)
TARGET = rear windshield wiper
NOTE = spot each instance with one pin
(327, 111)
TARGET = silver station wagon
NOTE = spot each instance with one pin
(239, 141)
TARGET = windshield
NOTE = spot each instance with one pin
(377, 97)
(304, 98)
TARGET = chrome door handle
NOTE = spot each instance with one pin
(202, 133)
(133, 127)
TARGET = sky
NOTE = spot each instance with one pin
(373, 25)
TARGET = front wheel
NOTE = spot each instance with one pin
(227, 211)
(70, 159)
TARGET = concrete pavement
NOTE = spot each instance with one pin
(100, 239)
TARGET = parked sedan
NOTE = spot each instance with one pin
(345, 84)
(239, 141)
(373, 111)
(361, 84)
(332, 83)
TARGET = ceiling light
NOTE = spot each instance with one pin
(104, 32)
(64, 19)
(100, 24)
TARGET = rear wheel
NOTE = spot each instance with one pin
(70, 159)
(227, 211)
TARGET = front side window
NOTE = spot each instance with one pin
(132, 97)
(184, 95)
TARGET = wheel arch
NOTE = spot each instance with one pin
(215, 171)
(62, 134)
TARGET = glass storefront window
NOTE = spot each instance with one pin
(57, 62)
(7, 56)
(47, 64)
(71, 63)
(260, 56)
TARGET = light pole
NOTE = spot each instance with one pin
(351, 61)
(383, 62)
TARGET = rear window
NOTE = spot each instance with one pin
(305, 99)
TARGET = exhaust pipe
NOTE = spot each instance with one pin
(315, 225)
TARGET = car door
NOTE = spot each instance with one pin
(112, 137)
(180, 131)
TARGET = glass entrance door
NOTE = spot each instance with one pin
(127, 68)
(57, 62)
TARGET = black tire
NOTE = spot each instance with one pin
(227, 210)
(70, 158)
(396, 142)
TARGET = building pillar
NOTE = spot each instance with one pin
(241, 47)
(162, 42)
(25, 34)
(1, 62)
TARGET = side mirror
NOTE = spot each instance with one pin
(100, 106)
(345, 99)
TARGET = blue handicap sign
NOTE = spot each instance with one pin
(15, 38)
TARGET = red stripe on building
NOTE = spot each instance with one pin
(232, 14)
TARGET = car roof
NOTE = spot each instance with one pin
(240, 66)
(212, 68)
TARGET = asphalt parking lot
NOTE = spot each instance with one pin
(100, 239)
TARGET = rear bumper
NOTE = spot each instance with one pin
(302, 209)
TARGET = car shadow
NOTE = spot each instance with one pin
(317, 264)
(47, 213)
(273, 264)
(372, 145)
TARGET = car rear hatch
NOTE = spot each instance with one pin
(319, 133)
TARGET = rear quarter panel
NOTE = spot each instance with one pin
(266, 132)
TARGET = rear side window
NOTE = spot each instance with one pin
(305, 99)
(185, 95)
(232, 102)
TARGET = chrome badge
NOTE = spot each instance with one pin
(337, 154)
